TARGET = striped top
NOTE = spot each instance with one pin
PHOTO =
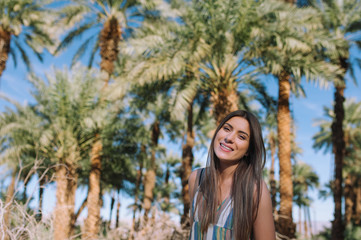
(223, 227)
(221, 230)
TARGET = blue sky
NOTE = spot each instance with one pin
(14, 84)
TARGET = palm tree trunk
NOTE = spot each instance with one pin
(224, 102)
(166, 184)
(299, 220)
(66, 181)
(42, 182)
(339, 151)
(92, 223)
(8, 202)
(5, 38)
(349, 200)
(72, 186)
(136, 190)
(149, 178)
(187, 162)
(309, 222)
(149, 184)
(357, 209)
(306, 228)
(285, 225)
(118, 209)
(112, 202)
(109, 39)
(272, 175)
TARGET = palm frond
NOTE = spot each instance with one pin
(23, 54)
(71, 36)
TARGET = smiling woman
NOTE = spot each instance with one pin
(232, 140)
(230, 199)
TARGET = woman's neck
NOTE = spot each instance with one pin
(226, 171)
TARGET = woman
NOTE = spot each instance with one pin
(230, 199)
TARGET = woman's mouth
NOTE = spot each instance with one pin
(226, 147)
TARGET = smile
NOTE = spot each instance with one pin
(225, 147)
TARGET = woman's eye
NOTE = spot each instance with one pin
(226, 128)
(242, 137)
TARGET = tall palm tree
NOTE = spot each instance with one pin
(284, 45)
(272, 142)
(304, 178)
(66, 105)
(122, 144)
(17, 150)
(106, 22)
(23, 27)
(352, 134)
(160, 118)
(342, 18)
(55, 128)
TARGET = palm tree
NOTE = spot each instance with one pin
(23, 27)
(304, 178)
(341, 17)
(167, 188)
(103, 23)
(272, 142)
(122, 145)
(107, 23)
(157, 107)
(352, 134)
(66, 105)
(352, 171)
(20, 151)
(55, 128)
(284, 45)
(202, 59)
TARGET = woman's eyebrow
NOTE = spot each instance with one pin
(240, 131)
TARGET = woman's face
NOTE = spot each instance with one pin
(232, 140)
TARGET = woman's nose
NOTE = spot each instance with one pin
(229, 138)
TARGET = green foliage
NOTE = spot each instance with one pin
(290, 39)
(26, 21)
(342, 20)
(351, 126)
(304, 178)
(351, 233)
(83, 19)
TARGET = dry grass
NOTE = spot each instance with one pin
(24, 225)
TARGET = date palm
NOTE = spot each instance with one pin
(18, 149)
(342, 19)
(156, 108)
(304, 178)
(66, 104)
(23, 27)
(272, 142)
(103, 24)
(284, 46)
(351, 168)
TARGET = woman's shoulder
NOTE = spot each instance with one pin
(193, 178)
(194, 175)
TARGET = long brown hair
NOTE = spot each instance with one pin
(247, 177)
